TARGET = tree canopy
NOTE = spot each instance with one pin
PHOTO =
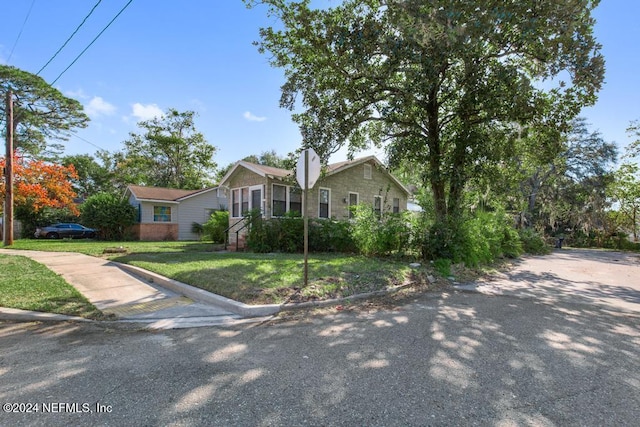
(169, 152)
(41, 113)
(440, 83)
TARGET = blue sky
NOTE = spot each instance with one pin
(198, 55)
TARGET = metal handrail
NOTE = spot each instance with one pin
(248, 222)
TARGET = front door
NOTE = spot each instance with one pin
(256, 198)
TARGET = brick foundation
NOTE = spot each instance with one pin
(156, 232)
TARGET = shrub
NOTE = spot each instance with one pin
(444, 240)
(533, 242)
(442, 266)
(373, 235)
(478, 240)
(109, 214)
(214, 228)
(490, 235)
(327, 235)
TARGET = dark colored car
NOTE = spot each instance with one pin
(62, 230)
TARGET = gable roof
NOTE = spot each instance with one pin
(162, 194)
(331, 169)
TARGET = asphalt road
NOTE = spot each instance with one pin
(442, 359)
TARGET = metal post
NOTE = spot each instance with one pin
(8, 174)
(306, 217)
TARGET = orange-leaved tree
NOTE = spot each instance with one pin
(38, 188)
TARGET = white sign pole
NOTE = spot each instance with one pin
(306, 218)
(307, 173)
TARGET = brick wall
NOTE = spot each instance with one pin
(156, 232)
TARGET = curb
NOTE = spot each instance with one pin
(355, 297)
(27, 315)
(201, 295)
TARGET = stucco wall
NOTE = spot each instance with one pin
(352, 181)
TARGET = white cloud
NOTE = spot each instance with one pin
(99, 107)
(79, 94)
(146, 112)
(252, 118)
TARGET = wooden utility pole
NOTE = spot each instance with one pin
(8, 176)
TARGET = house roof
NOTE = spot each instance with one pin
(164, 194)
(331, 169)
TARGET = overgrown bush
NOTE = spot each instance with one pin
(533, 242)
(379, 235)
(109, 214)
(480, 239)
(215, 226)
(286, 234)
(444, 240)
(327, 235)
(489, 236)
(442, 266)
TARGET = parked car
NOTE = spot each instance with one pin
(62, 230)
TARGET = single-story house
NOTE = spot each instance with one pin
(169, 213)
(275, 192)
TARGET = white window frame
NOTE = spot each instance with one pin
(368, 171)
(328, 202)
(251, 190)
(249, 202)
(286, 199)
(288, 190)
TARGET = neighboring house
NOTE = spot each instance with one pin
(169, 213)
(275, 192)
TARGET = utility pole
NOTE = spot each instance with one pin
(8, 176)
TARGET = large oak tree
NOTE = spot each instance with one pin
(440, 82)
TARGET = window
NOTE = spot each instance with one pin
(279, 200)
(353, 201)
(162, 214)
(323, 208)
(295, 200)
(244, 199)
(396, 205)
(235, 203)
(377, 205)
(286, 199)
(367, 171)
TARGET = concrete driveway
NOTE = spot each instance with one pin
(583, 276)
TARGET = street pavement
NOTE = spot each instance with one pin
(452, 358)
(608, 279)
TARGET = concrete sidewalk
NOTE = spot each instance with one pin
(132, 294)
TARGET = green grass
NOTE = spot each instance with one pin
(274, 278)
(28, 285)
(248, 277)
(97, 247)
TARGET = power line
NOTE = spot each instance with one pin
(92, 41)
(21, 29)
(88, 142)
(70, 37)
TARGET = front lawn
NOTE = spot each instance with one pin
(276, 278)
(28, 285)
(248, 277)
(98, 247)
